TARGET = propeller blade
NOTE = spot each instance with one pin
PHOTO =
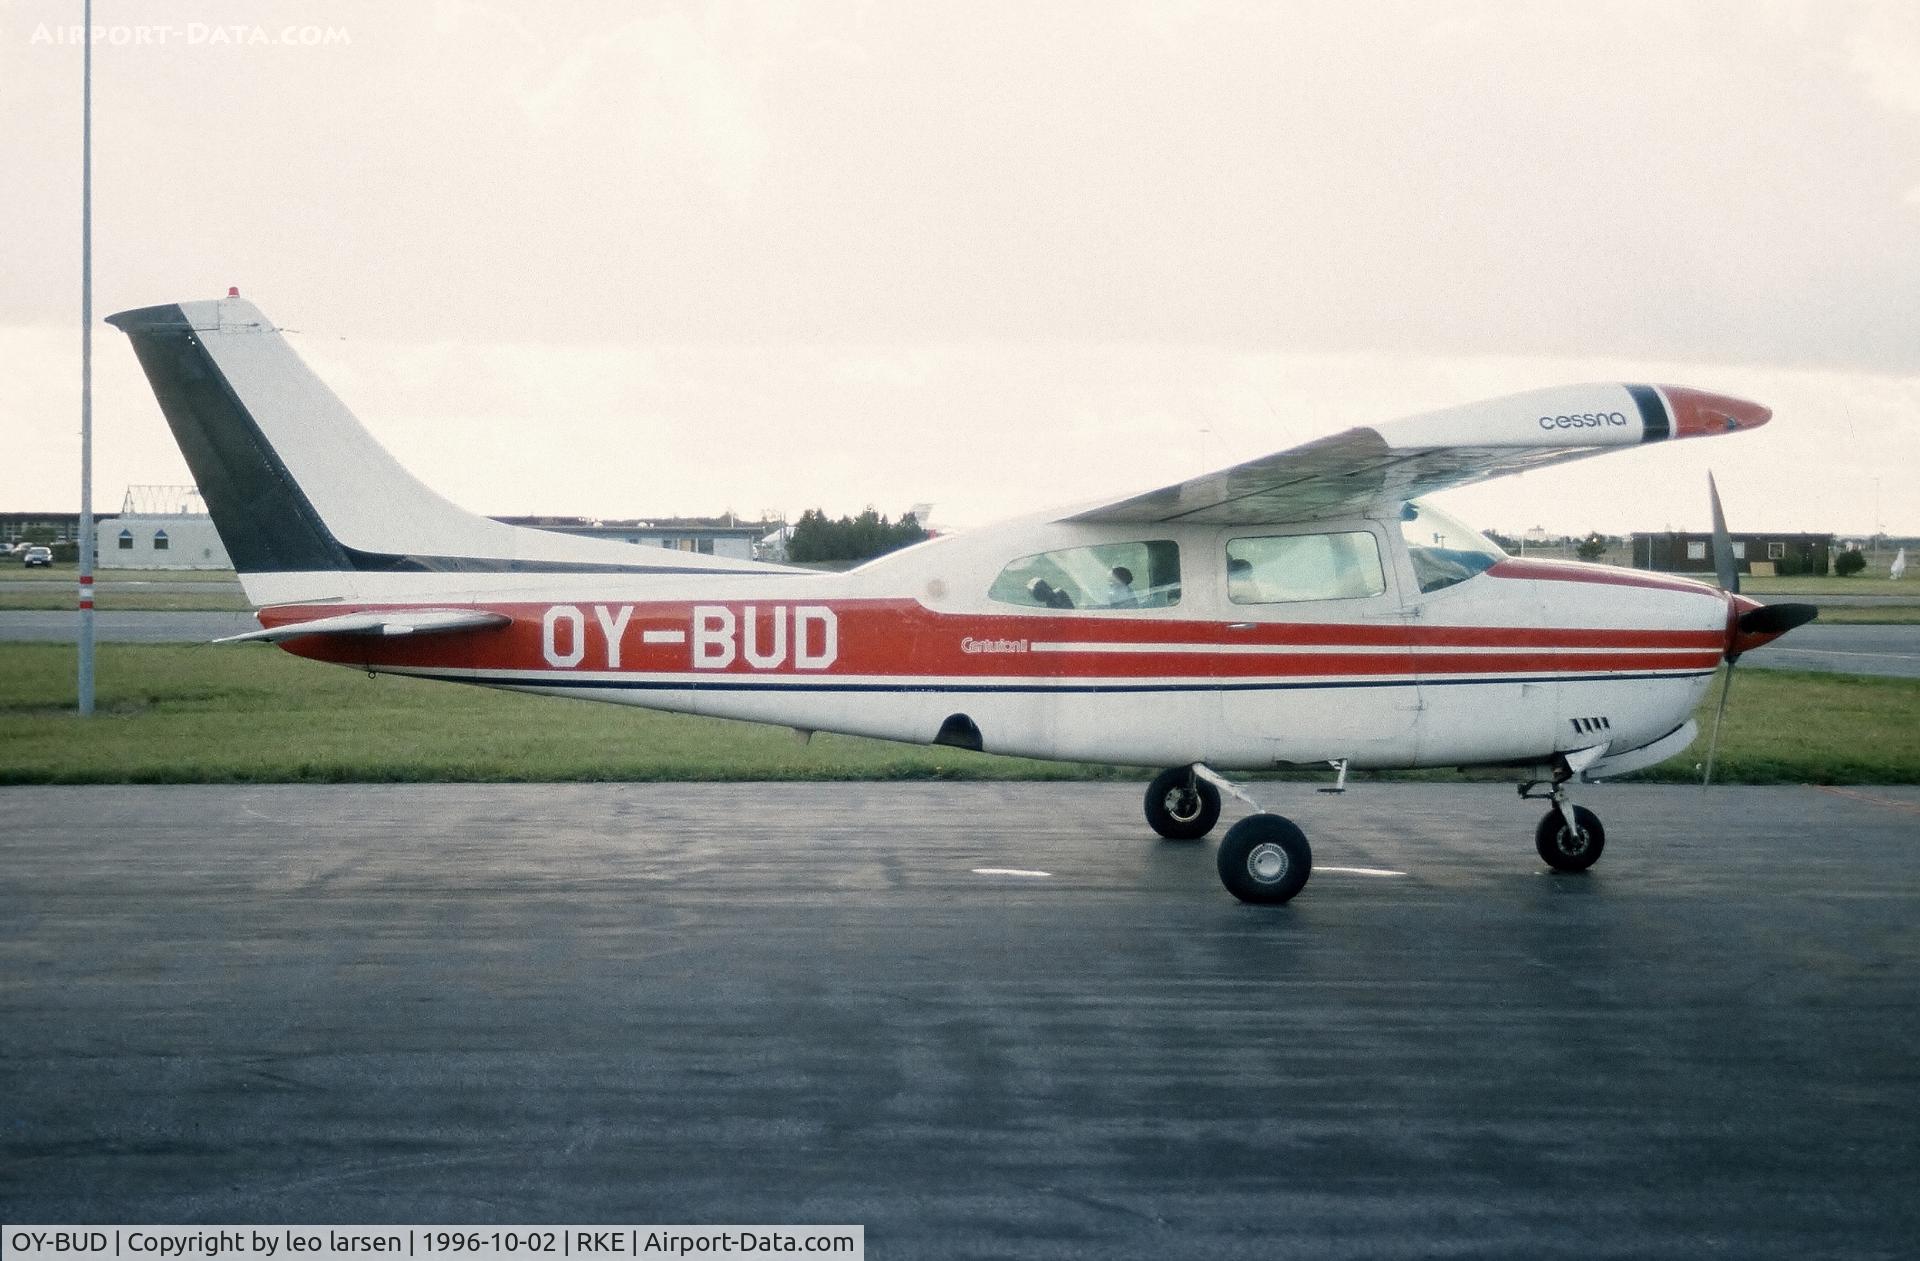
(1719, 720)
(1776, 619)
(1724, 565)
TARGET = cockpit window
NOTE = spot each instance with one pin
(1443, 550)
(1283, 568)
(1105, 576)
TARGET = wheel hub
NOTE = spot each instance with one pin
(1268, 863)
(1183, 804)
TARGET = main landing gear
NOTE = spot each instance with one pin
(1266, 858)
(1182, 806)
(1262, 858)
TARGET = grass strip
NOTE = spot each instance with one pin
(1869, 615)
(67, 572)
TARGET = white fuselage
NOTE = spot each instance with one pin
(1513, 665)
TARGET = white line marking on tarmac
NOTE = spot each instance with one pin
(1011, 871)
(1839, 652)
(1361, 871)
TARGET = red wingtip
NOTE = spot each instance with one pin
(1697, 414)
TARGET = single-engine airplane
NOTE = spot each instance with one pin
(1302, 609)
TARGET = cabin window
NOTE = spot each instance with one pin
(159, 540)
(126, 540)
(1288, 567)
(1105, 576)
(1444, 551)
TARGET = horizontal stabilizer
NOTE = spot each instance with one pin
(407, 622)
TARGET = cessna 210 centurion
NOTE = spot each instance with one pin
(1301, 609)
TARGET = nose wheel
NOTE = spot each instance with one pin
(1570, 837)
(1574, 847)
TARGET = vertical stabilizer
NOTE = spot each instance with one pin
(296, 485)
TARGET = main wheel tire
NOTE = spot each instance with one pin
(1265, 858)
(1561, 850)
(1181, 806)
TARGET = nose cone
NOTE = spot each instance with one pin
(1697, 414)
(1751, 623)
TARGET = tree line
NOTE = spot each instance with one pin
(818, 538)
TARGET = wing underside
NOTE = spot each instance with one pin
(1372, 469)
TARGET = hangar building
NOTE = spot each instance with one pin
(1689, 552)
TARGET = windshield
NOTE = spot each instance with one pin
(1444, 551)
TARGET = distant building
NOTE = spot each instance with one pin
(167, 527)
(161, 527)
(1688, 552)
(64, 527)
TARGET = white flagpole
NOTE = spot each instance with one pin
(86, 362)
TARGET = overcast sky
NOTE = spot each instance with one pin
(655, 259)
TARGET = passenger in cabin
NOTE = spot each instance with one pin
(1120, 589)
(1048, 596)
(1240, 580)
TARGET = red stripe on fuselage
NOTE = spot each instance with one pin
(903, 639)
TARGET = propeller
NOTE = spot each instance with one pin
(1765, 620)
(1724, 566)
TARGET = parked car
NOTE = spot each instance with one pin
(40, 556)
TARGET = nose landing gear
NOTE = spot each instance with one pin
(1569, 837)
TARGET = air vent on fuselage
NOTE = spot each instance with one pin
(1591, 726)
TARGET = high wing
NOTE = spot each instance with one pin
(1374, 468)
